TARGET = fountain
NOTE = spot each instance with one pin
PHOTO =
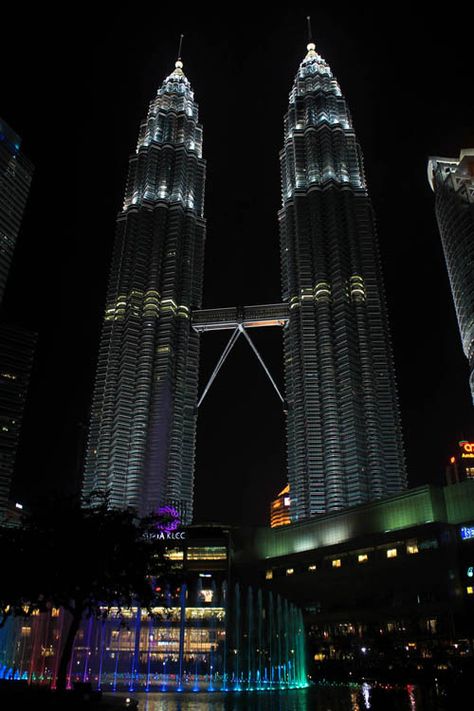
(202, 638)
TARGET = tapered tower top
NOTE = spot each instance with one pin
(313, 63)
(176, 82)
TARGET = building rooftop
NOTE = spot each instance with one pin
(413, 507)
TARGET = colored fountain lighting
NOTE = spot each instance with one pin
(243, 641)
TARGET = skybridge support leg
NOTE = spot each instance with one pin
(254, 348)
(227, 350)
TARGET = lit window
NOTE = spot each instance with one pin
(362, 558)
(290, 571)
(269, 575)
(392, 553)
(174, 554)
(206, 595)
(336, 563)
(412, 548)
(207, 553)
(311, 568)
(470, 590)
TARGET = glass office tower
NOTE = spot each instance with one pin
(141, 446)
(343, 426)
(452, 180)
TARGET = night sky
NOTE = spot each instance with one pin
(77, 99)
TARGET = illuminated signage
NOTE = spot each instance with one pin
(166, 522)
(467, 532)
(467, 449)
(170, 535)
(168, 519)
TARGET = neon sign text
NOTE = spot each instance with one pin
(468, 448)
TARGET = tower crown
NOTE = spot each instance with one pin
(176, 82)
(314, 74)
(313, 63)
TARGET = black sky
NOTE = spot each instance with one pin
(77, 98)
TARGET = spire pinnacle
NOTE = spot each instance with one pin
(180, 47)
(179, 64)
(311, 47)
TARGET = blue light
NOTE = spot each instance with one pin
(467, 532)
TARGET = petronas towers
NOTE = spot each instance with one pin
(343, 426)
(344, 436)
(143, 421)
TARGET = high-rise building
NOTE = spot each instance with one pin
(16, 172)
(280, 509)
(452, 180)
(343, 426)
(16, 359)
(141, 445)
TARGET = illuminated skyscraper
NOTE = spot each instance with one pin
(280, 509)
(16, 172)
(452, 180)
(343, 428)
(142, 430)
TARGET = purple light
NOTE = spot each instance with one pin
(170, 519)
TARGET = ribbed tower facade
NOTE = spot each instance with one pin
(452, 180)
(141, 446)
(343, 425)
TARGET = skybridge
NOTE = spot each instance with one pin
(231, 317)
(239, 319)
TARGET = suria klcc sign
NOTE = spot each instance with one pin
(167, 524)
(467, 449)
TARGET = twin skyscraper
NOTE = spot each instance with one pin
(343, 426)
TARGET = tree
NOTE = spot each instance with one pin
(83, 560)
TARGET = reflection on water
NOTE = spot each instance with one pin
(322, 697)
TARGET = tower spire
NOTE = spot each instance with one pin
(311, 47)
(178, 71)
(180, 47)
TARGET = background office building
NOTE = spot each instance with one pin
(15, 177)
(343, 427)
(452, 180)
(16, 359)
